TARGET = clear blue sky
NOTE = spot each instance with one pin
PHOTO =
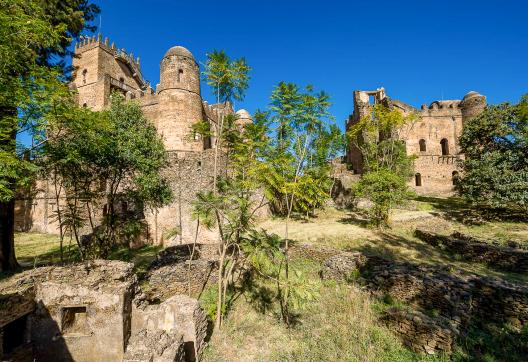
(419, 51)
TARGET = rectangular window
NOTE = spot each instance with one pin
(74, 320)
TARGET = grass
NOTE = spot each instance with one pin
(341, 325)
(36, 249)
(347, 230)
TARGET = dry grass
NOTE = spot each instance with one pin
(347, 230)
(341, 325)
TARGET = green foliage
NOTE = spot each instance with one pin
(379, 137)
(384, 189)
(495, 143)
(304, 140)
(265, 255)
(387, 167)
(228, 78)
(115, 154)
(33, 34)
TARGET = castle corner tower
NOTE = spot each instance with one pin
(180, 102)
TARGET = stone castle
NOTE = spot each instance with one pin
(176, 103)
(433, 139)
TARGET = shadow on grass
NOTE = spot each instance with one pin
(455, 208)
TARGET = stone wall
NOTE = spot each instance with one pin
(456, 300)
(502, 258)
(94, 311)
(433, 139)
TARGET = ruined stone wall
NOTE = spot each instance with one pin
(188, 174)
(433, 139)
(94, 311)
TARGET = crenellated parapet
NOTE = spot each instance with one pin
(120, 54)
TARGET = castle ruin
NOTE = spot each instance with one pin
(433, 139)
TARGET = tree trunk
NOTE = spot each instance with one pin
(8, 260)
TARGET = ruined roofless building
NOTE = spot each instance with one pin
(176, 103)
(433, 138)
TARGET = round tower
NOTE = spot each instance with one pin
(472, 105)
(243, 117)
(180, 102)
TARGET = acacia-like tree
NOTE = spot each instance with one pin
(495, 169)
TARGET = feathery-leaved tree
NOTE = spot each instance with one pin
(298, 180)
(233, 207)
(229, 80)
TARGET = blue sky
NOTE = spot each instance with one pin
(419, 51)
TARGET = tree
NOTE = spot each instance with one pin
(33, 39)
(298, 178)
(379, 137)
(229, 80)
(118, 148)
(495, 169)
(232, 208)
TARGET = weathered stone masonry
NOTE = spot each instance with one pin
(95, 311)
(433, 139)
(175, 104)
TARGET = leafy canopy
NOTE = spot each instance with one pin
(495, 143)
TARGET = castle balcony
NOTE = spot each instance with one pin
(121, 85)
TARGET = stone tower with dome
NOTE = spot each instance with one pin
(100, 68)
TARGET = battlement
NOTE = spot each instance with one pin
(89, 43)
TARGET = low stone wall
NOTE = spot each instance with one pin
(312, 252)
(155, 346)
(502, 258)
(179, 314)
(421, 333)
(457, 299)
(169, 274)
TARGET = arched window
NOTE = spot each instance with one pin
(180, 74)
(84, 76)
(418, 179)
(85, 105)
(455, 177)
(445, 147)
(423, 148)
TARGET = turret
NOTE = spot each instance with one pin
(472, 105)
(180, 103)
(243, 117)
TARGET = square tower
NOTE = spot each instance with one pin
(99, 69)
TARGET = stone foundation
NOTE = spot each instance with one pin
(498, 257)
(456, 299)
(94, 312)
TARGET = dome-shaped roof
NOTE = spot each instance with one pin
(180, 51)
(243, 114)
(472, 94)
